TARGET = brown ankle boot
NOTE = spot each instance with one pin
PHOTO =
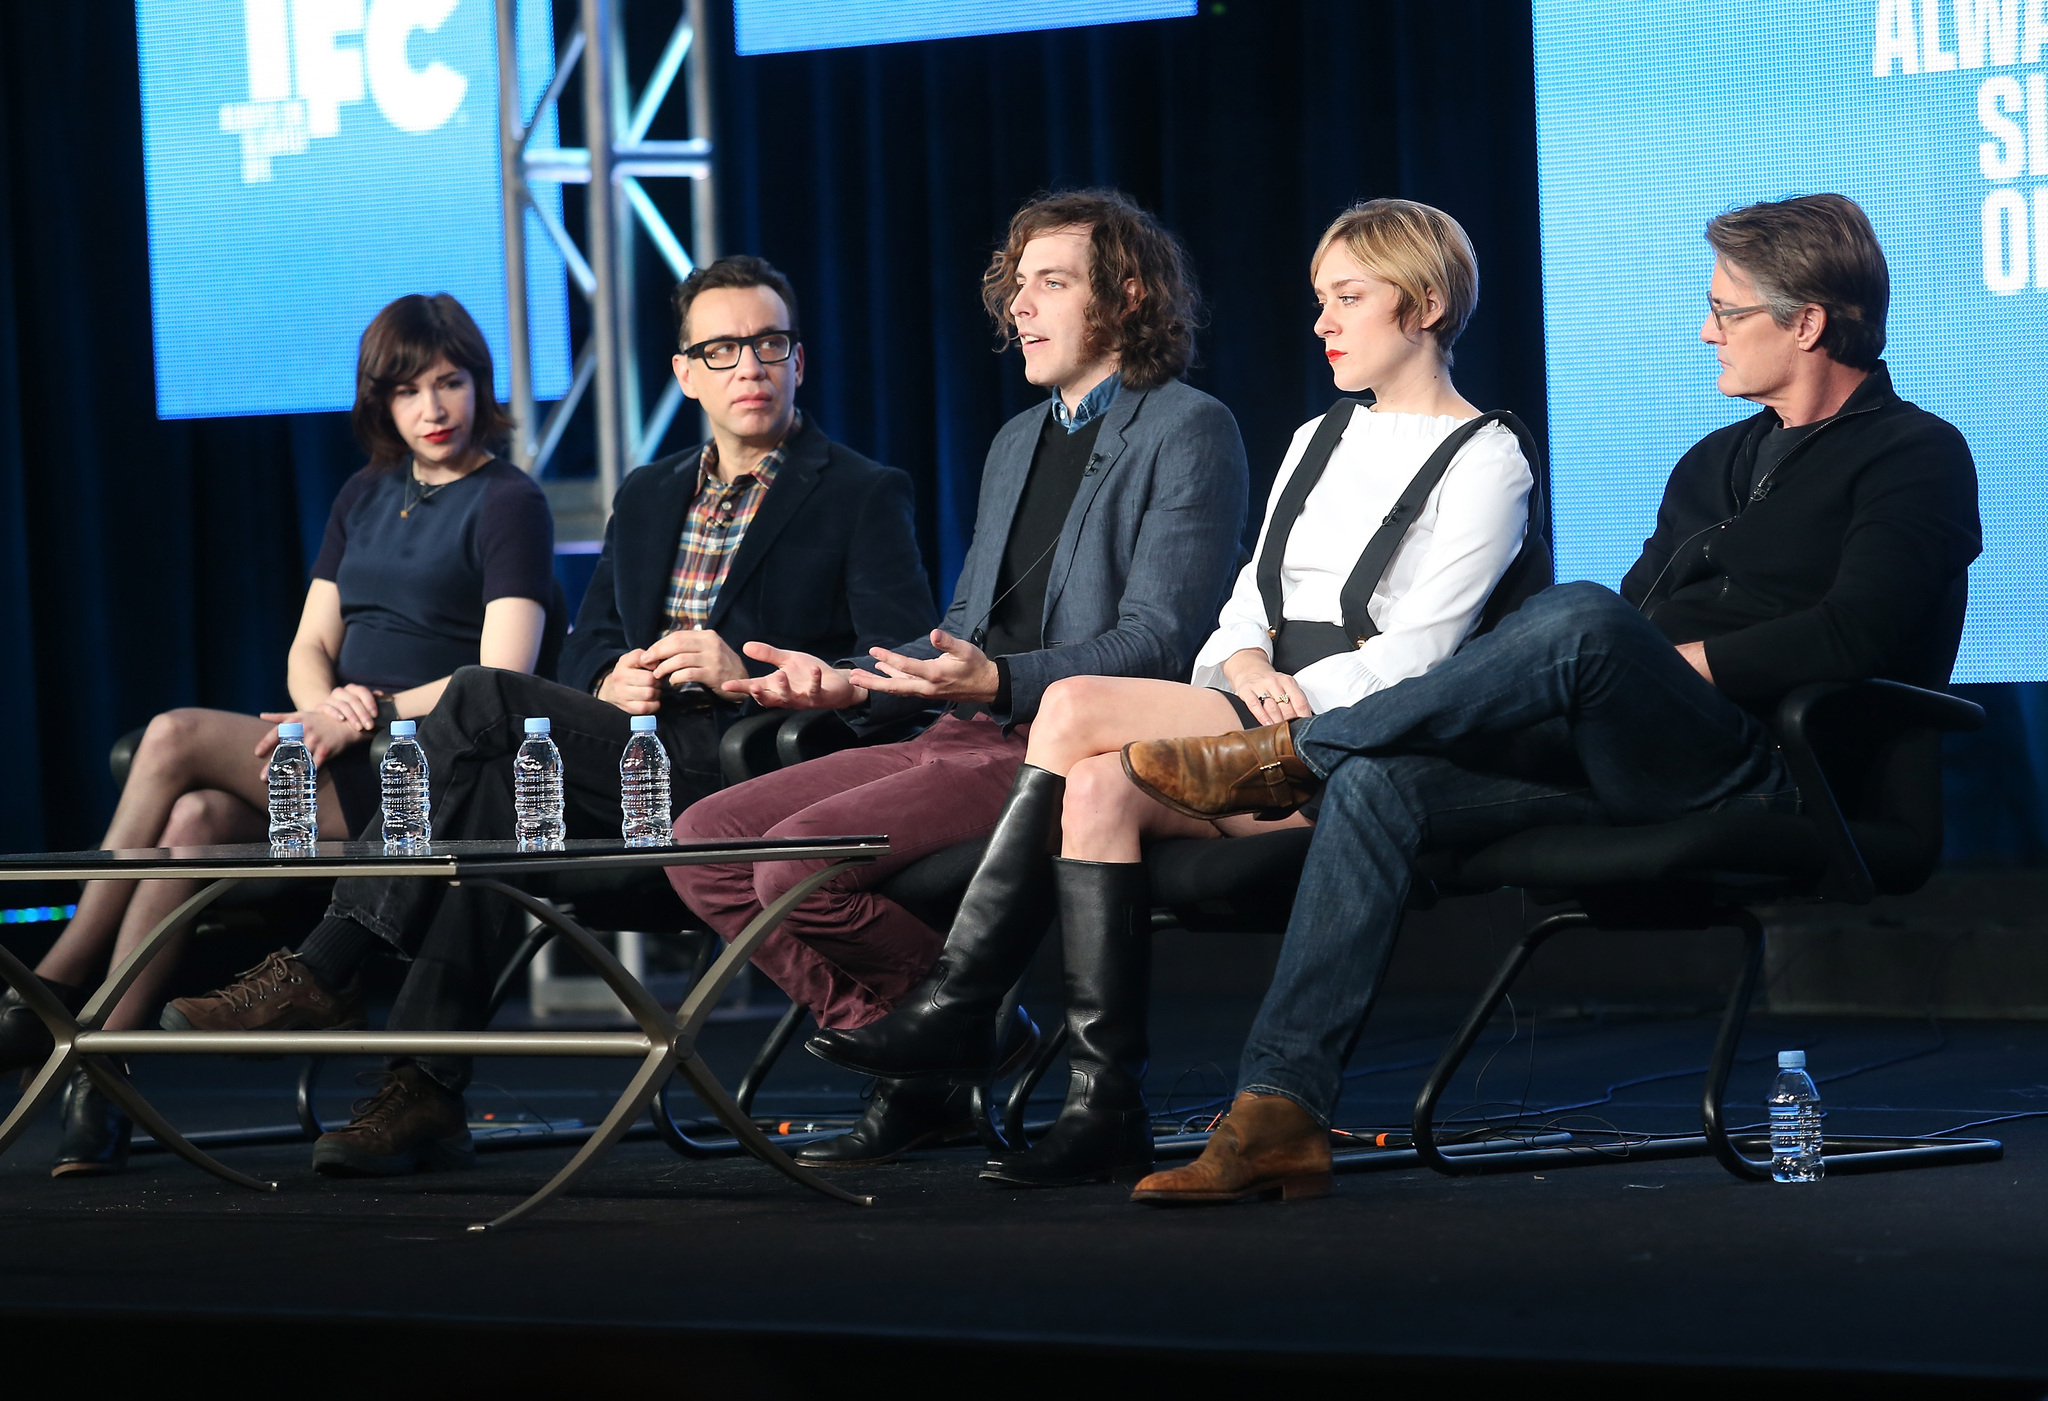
(411, 1124)
(1267, 1147)
(1210, 776)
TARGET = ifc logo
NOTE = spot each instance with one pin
(301, 74)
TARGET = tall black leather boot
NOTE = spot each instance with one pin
(946, 1025)
(24, 1040)
(96, 1133)
(1103, 1133)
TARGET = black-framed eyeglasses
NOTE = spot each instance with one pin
(1724, 314)
(770, 348)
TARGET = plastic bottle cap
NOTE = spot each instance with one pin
(291, 729)
(1791, 1060)
(644, 724)
(402, 728)
(537, 725)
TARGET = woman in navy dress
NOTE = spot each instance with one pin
(437, 555)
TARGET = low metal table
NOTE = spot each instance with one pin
(664, 1046)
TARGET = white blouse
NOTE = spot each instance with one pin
(1468, 533)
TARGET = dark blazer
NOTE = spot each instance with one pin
(1852, 563)
(829, 565)
(1146, 556)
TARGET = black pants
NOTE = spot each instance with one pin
(458, 938)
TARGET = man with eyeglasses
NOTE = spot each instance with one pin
(1825, 538)
(769, 532)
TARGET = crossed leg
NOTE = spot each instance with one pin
(195, 780)
(1082, 726)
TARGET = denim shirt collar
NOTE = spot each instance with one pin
(1093, 404)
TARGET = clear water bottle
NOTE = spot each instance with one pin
(408, 820)
(294, 801)
(537, 789)
(1795, 1122)
(643, 787)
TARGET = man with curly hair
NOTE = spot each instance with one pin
(1107, 534)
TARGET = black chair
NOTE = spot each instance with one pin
(1867, 759)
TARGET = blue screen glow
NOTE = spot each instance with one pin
(308, 161)
(1655, 115)
(782, 26)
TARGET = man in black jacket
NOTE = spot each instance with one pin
(1826, 538)
(770, 532)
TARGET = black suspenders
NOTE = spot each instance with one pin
(1393, 527)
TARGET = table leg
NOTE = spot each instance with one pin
(629, 989)
(703, 996)
(122, 978)
(676, 1042)
(115, 1085)
(50, 1078)
(47, 1082)
(759, 1144)
(112, 1082)
(647, 1080)
(696, 1011)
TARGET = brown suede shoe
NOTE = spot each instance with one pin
(1267, 1147)
(1211, 776)
(411, 1124)
(278, 994)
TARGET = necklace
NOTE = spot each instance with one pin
(426, 492)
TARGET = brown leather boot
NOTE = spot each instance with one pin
(1211, 776)
(410, 1125)
(1267, 1147)
(278, 994)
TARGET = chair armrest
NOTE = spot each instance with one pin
(812, 734)
(1891, 705)
(122, 757)
(747, 749)
(1890, 702)
(764, 743)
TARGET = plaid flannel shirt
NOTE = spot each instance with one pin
(712, 530)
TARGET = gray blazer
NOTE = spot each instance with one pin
(1144, 561)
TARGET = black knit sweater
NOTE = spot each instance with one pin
(1852, 564)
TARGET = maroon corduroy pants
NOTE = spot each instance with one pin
(847, 952)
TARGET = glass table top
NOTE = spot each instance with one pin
(452, 858)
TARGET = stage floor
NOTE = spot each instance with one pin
(1669, 1271)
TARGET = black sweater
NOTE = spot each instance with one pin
(1853, 563)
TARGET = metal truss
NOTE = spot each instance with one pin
(618, 156)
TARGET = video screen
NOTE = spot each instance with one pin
(307, 162)
(785, 26)
(1932, 114)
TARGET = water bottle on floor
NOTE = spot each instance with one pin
(643, 787)
(1795, 1122)
(408, 820)
(294, 804)
(537, 789)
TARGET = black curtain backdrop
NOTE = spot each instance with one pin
(146, 565)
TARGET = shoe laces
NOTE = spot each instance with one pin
(261, 983)
(373, 1111)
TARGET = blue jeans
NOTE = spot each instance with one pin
(1574, 710)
